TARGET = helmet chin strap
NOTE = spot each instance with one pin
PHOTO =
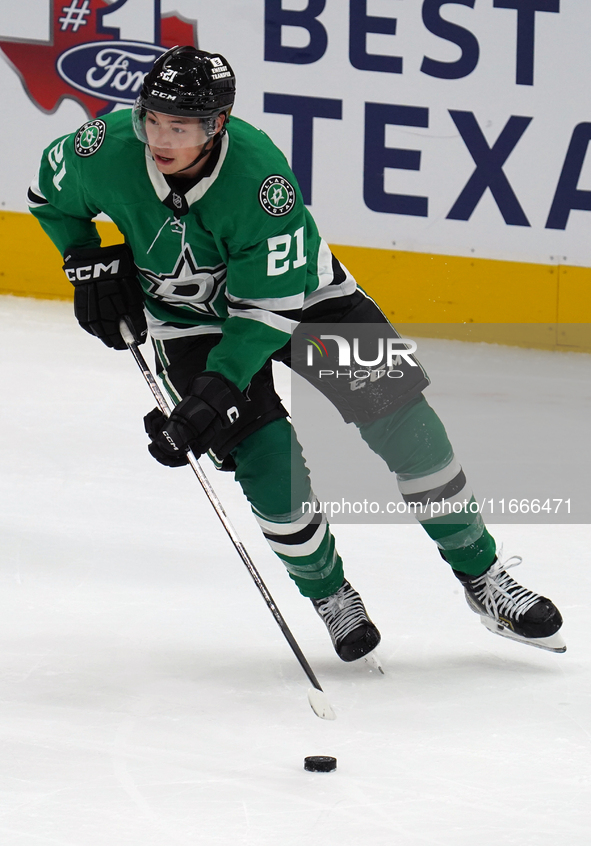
(204, 152)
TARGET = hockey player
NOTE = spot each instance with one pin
(221, 262)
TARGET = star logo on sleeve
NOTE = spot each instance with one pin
(277, 196)
(89, 138)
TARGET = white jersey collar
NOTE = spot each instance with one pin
(163, 189)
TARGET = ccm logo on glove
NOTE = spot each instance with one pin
(170, 440)
(92, 271)
(106, 288)
(212, 404)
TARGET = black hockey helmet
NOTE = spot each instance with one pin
(188, 82)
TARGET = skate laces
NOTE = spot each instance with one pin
(342, 612)
(500, 594)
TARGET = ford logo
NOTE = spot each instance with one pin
(109, 70)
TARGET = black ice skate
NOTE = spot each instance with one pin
(352, 632)
(510, 610)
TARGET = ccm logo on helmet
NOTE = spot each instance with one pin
(163, 95)
(92, 271)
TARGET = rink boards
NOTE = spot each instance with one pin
(548, 305)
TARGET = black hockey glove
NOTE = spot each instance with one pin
(106, 288)
(212, 404)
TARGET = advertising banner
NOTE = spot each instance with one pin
(454, 127)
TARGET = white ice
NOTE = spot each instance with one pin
(147, 696)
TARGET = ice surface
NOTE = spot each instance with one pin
(147, 696)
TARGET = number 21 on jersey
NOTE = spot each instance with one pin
(279, 260)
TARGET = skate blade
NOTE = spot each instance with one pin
(554, 643)
(373, 662)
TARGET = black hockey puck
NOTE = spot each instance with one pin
(320, 763)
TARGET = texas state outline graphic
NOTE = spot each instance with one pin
(77, 22)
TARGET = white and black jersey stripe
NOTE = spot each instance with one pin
(35, 197)
(334, 280)
(283, 313)
(165, 330)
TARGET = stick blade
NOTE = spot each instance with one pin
(320, 705)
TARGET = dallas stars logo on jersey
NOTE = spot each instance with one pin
(90, 137)
(188, 284)
(277, 196)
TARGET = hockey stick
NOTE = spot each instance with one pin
(316, 696)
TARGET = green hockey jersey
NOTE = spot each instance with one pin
(238, 254)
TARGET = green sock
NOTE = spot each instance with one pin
(414, 444)
(273, 475)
